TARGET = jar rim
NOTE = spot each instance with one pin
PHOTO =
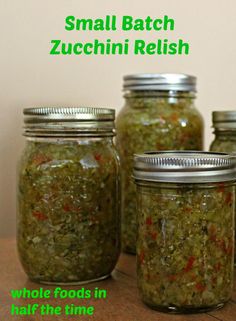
(223, 120)
(72, 121)
(34, 114)
(185, 167)
(160, 81)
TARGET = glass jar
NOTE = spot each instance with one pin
(68, 226)
(159, 114)
(186, 204)
(224, 123)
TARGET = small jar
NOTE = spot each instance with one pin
(224, 124)
(159, 114)
(186, 204)
(68, 226)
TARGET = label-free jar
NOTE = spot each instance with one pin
(159, 114)
(186, 204)
(68, 226)
(224, 124)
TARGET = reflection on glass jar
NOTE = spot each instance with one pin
(159, 114)
(185, 230)
(68, 195)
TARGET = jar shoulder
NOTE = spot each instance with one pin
(223, 145)
(49, 155)
(158, 113)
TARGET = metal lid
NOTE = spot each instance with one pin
(224, 119)
(60, 121)
(161, 82)
(184, 167)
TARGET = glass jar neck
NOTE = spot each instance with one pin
(158, 93)
(228, 134)
(170, 97)
(182, 186)
(81, 140)
(86, 127)
(68, 132)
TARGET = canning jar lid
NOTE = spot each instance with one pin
(184, 167)
(224, 119)
(60, 121)
(160, 82)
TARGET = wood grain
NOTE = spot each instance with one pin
(122, 304)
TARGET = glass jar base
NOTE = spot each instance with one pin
(72, 282)
(185, 309)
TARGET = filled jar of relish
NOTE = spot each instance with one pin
(68, 223)
(224, 124)
(159, 114)
(185, 209)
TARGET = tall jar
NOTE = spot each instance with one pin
(159, 114)
(68, 223)
(186, 203)
(224, 124)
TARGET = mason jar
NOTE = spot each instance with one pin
(224, 124)
(68, 225)
(159, 114)
(186, 204)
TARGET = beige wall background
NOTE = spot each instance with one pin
(29, 76)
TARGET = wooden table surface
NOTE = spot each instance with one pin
(122, 303)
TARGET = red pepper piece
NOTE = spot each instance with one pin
(40, 216)
(172, 277)
(228, 198)
(213, 238)
(154, 236)
(67, 208)
(40, 159)
(141, 257)
(188, 209)
(221, 244)
(221, 188)
(70, 208)
(149, 221)
(200, 287)
(97, 157)
(189, 264)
